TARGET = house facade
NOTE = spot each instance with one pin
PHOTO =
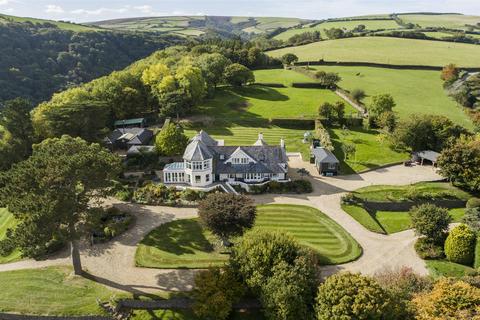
(206, 161)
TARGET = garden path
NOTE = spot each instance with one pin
(112, 263)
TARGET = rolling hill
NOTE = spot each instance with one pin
(387, 51)
(198, 25)
(5, 19)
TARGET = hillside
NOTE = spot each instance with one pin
(388, 51)
(40, 57)
(198, 25)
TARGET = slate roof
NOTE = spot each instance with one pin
(134, 150)
(132, 136)
(268, 158)
(324, 156)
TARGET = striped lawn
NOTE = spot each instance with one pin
(311, 228)
(184, 244)
(7, 221)
(246, 136)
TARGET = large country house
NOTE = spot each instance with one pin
(206, 161)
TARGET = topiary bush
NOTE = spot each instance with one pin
(460, 245)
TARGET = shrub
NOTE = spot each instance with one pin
(449, 299)
(308, 85)
(322, 134)
(430, 221)
(352, 296)
(473, 203)
(227, 215)
(349, 199)
(460, 245)
(6, 247)
(215, 292)
(260, 251)
(426, 249)
(358, 94)
(472, 219)
(296, 186)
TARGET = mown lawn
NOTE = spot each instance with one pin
(438, 190)
(388, 222)
(387, 50)
(7, 221)
(371, 25)
(444, 268)
(50, 291)
(414, 91)
(371, 151)
(184, 244)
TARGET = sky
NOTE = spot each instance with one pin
(95, 10)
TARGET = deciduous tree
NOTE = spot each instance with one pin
(430, 221)
(171, 140)
(238, 75)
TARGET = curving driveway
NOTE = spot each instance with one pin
(113, 263)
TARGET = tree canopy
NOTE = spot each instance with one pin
(171, 140)
(55, 192)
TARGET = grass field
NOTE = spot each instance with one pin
(62, 25)
(50, 291)
(7, 221)
(387, 50)
(443, 268)
(414, 91)
(450, 21)
(183, 243)
(371, 25)
(371, 152)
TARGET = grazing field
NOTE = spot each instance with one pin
(444, 268)
(387, 50)
(414, 91)
(184, 244)
(371, 150)
(62, 25)
(7, 221)
(197, 25)
(51, 291)
(450, 21)
(371, 25)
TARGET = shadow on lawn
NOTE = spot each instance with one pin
(261, 93)
(179, 237)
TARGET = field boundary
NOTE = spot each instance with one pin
(377, 65)
(12, 316)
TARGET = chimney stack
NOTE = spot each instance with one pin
(282, 143)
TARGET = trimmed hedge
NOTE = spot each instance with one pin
(428, 250)
(270, 84)
(308, 85)
(460, 245)
(296, 186)
(473, 203)
(304, 124)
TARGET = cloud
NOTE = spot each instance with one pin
(4, 2)
(99, 11)
(144, 8)
(52, 8)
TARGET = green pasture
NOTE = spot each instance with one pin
(444, 268)
(388, 51)
(371, 149)
(371, 25)
(184, 244)
(414, 91)
(450, 21)
(62, 25)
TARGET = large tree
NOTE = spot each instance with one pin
(227, 214)
(430, 221)
(238, 75)
(55, 192)
(213, 67)
(171, 141)
(460, 163)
